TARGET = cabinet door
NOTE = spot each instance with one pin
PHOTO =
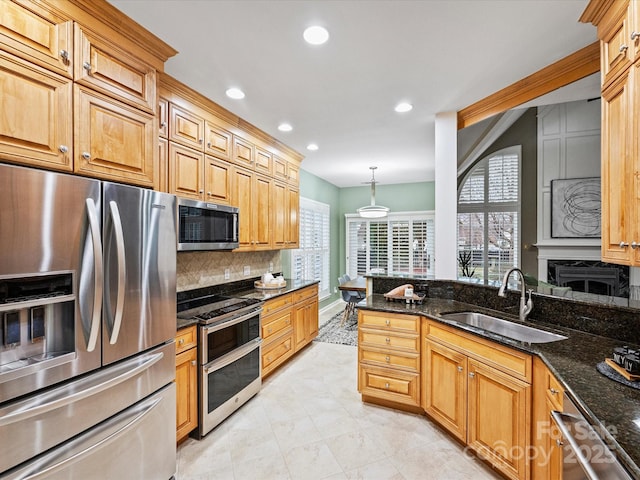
(263, 163)
(293, 209)
(186, 172)
(312, 317)
(218, 181)
(186, 393)
(616, 186)
(35, 115)
(38, 35)
(499, 418)
(113, 140)
(261, 213)
(445, 387)
(186, 127)
(103, 66)
(280, 215)
(242, 197)
(293, 173)
(616, 48)
(218, 142)
(300, 335)
(280, 169)
(242, 152)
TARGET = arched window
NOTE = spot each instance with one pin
(489, 217)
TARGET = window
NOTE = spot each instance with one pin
(311, 260)
(402, 243)
(488, 217)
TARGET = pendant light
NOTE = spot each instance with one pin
(373, 210)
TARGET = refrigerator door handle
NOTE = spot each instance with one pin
(122, 272)
(64, 398)
(94, 227)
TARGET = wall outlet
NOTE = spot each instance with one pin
(270, 266)
(227, 274)
(246, 270)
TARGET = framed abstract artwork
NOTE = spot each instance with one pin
(575, 208)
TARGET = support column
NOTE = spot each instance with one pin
(446, 197)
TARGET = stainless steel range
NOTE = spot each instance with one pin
(229, 360)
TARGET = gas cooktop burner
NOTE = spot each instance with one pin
(215, 308)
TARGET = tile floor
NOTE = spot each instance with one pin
(308, 422)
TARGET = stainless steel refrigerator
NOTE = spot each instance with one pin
(87, 322)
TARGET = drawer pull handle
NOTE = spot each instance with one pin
(65, 55)
(460, 369)
(193, 362)
(388, 322)
(634, 35)
(86, 155)
(86, 66)
(553, 391)
(623, 48)
(388, 340)
(63, 149)
(386, 385)
(387, 359)
(559, 443)
(472, 374)
(181, 341)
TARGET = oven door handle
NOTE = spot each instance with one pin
(232, 356)
(233, 321)
(560, 418)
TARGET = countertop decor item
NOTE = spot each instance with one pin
(608, 370)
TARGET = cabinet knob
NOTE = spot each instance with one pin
(460, 369)
(86, 155)
(388, 340)
(472, 374)
(63, 148)
(387, 359)
(388, 322)
(181, 341)
(386, 385)
(193, 362)
(558, 442)
(163, 124)
(635, 35)
(634, 245)
(209, 193)
(200, 191)
(86, 66)
(623, 48)
(200, 141)
(623, 245)
(208, 144)
(65, 55)
(553, 391)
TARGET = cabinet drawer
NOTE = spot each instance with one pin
(101, 65)
(553, 390)
(395, 341)
(305, 293)
(276, 304)
(38, 35)
(186, 127)
(242, 152)
(276, 353)
(217, 141)
(389, 384)
(275, 324)
(512, 362)
(389, 321)
(390, 359)
(186, 338)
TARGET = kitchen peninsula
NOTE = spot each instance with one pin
(612, 409)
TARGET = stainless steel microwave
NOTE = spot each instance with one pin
(206, 226)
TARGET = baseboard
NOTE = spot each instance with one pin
(332, 305)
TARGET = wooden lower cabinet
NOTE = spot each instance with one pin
(546, 438)
(481, 393)
(186, 382)
(289, 322)
(388, 358)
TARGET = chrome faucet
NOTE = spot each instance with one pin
(525, 306)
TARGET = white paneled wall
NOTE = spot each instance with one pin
(568, 147)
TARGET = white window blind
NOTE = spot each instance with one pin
(488, 217)
(311, 260)
(401, 243)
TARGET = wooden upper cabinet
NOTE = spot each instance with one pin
(279, 211)
(617, 49)
(34, 33)
(112, 140)
(280, 168)
(186, 127)
(218, 142)
(242, 196)
(293, 173)
(243, 152)
(163, 118)
(186, 172)
(218, 181)
(263, 161)
(262, 217)
(35, 115)
(101, 65)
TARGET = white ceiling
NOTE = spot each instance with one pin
(439, 55)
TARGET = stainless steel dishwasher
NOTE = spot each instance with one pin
(585, 454)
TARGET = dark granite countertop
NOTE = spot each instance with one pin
(611, 407)
(260, 294)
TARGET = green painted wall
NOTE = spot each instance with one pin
(399, 198)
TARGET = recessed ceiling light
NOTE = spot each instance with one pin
(235, 93)
(312, 146)
(316, 35)
(285, 127)
(403, 107)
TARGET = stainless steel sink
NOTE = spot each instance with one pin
(504, 327)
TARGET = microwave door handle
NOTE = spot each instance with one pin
(94, 228)
(122, 272)
(235, 227)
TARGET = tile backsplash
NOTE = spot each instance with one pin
(202, 269)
